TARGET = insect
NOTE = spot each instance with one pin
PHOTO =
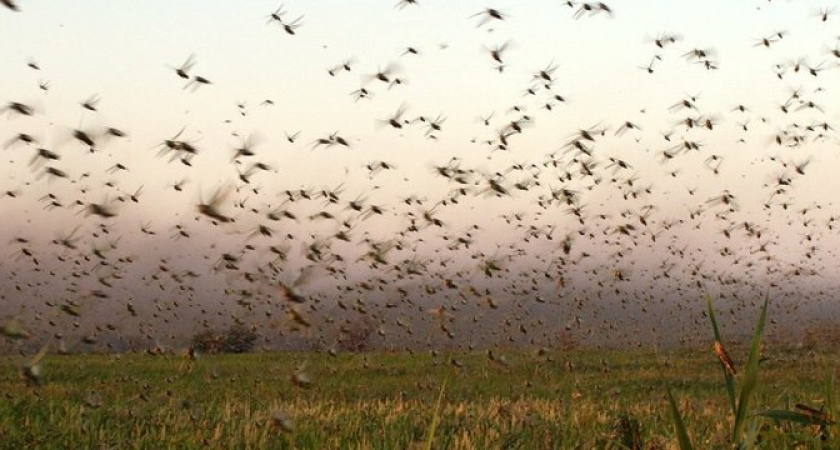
(724, 358)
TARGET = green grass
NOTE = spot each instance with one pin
(388, 401)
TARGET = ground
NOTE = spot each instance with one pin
(517, 399)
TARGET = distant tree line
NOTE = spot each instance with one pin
(236, 339)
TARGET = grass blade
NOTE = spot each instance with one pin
(830, 404)
(679, 426)
(750, 380)
(752, 435)
(730, 380)
(792, 416)
(433, 427)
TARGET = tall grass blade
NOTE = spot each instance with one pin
(830, 404)
(752, 435)
(730, 380)
(679, 426)
(750, 380)
(433, 427)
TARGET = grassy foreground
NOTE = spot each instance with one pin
(518, 399)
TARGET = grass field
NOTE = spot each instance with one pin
(579, 399)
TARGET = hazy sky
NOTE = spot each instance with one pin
(125, 53)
